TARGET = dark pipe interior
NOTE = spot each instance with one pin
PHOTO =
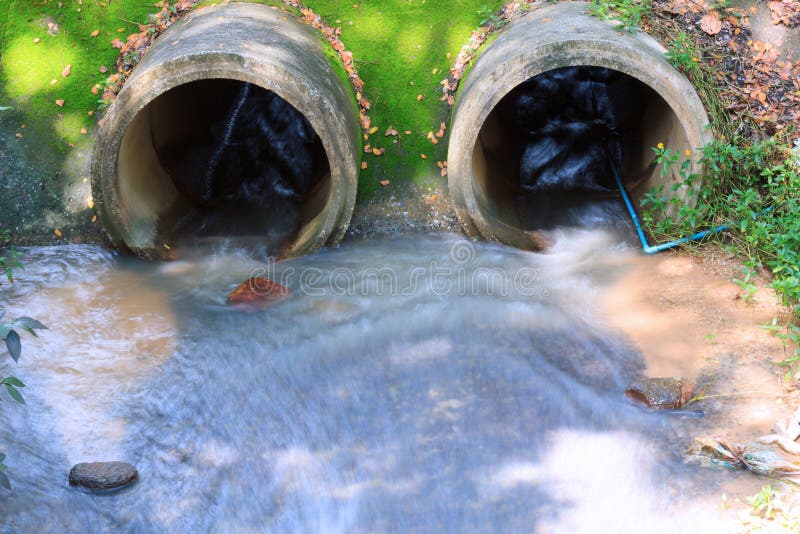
(243, 160)
(548, 146)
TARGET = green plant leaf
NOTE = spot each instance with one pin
(16, 395)
(14, 345)
(28, 322)
(29, 325)
(4, 481)
(14, 381)
(5, 328)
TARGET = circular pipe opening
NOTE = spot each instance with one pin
(236, 122)
(224, 158)
(530, 140)
(544, 156)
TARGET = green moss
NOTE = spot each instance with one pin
(396, 44)
(34, 57)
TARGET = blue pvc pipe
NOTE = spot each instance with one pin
(646, 247)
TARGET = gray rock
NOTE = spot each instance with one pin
(661, 393)
(102, 475)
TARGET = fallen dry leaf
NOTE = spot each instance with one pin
(378, 151)
(57, 232)
(60, 103)
(66, 71)
(95, 33)
(363, 165)
(384, 183)
(711, 24)
(256, 294)
(391, 132)
(373, 130)
(36, 40)
(419, 98)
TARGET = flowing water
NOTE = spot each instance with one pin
(415, 384)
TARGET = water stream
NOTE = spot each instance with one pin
(413, 384)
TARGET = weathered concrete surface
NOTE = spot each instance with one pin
(551, 37)
(246, 42)
(786, 40)
(44, 185)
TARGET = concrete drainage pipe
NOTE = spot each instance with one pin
(187, 148)
(484, 155)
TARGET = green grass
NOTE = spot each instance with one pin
(753, 187)
(396, 44)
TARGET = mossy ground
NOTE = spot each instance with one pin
(400, 48)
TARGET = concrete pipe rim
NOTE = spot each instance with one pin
(633, 56)
(343, 177)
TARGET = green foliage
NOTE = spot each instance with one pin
(490, 17)
(629, 13)
(684, 54)
(790, 335)
(753, 187)
(10, 336)
(8, 260)
(762, 502)
(3, 478)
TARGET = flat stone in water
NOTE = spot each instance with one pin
(102, 475)
(661, 393)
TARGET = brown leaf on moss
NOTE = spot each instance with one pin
(95, 33)
(384, 183)
(60, 102)
(66, 71)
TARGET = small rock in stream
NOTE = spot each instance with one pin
(661, 393)
(102, 475)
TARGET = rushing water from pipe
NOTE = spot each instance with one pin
(423, 383)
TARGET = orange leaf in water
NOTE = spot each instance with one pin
(711, 24)
(256, 294)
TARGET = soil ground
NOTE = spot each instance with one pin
(689, 319)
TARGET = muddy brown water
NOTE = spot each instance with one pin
(419, 383)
